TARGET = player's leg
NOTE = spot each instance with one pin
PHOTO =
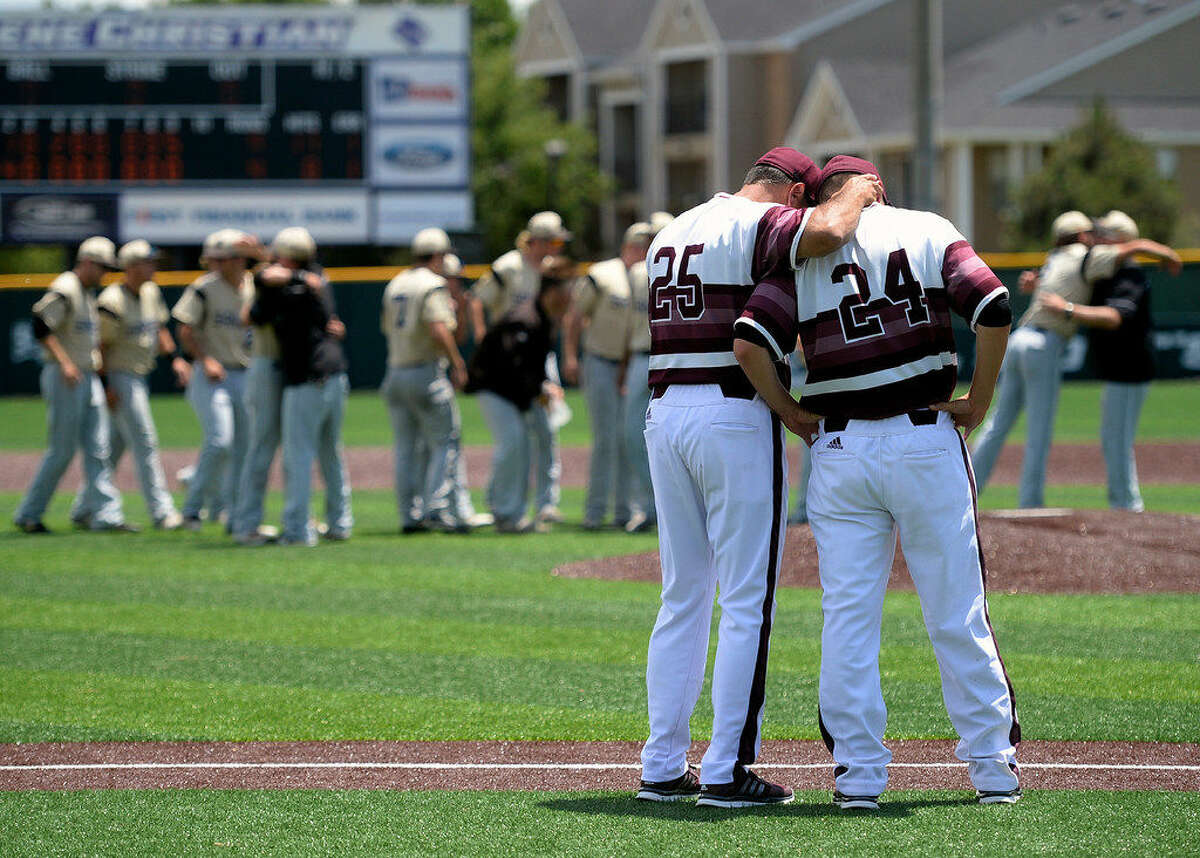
(440, 433)
(600, 391)
(508, 485)
(120, 428)
(98, 502)
(856, 543)
(1121, 407)
(1042, 370)
(798, 513)
(929, 484)
(64, 414)
(637, 398)
(216, 421)
(1009, 400)
(678, 649)
(405, 433)
(263, 400)
(332, 459)
(303, 413)
(544, 442)
(744, 477)
(137, 423)
(235, 383)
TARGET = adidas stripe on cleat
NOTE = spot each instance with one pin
(745, 790)
(682, 788)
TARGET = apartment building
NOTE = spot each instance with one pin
(684, 93)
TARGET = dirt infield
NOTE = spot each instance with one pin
(546, 765)
(1034, 551)
(371, 467)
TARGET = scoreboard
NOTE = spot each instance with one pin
(158, 121)
(358, 109)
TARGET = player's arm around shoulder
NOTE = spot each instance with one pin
(832, 223)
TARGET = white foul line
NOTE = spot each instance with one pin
(434, 766)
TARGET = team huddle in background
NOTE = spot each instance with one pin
(261, 359)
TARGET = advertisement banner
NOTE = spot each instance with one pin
(53, 218)
(249, 30)
(403, 89)
(419, 156)
(399, 216)
(185, 217)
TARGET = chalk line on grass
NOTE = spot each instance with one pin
(436, 766)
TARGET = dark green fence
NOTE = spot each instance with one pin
(1176, 313)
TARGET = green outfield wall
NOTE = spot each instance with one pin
(359, 291)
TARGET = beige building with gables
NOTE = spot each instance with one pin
(683, 94)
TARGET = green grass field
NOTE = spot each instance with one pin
(1171, 414)
(177, 636)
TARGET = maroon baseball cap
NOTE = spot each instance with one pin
(795, 165)
(847, 164)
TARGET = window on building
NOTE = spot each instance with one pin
(558, 95)
(686, 109)
(1168, 162)
(625, 146)
(687, 184)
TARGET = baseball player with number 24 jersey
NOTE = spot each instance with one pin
(873, 319)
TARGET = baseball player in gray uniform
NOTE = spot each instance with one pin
(637, 383)
(209, 314)
(263, 401)
(298, 304)
(133, 333)
(512, 280)
(601, 304)
(419, 322)
(65, 322)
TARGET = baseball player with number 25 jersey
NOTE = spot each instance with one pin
(719, 473)
(874, 322)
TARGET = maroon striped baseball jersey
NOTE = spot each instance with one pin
(873, 318)
(703, 267)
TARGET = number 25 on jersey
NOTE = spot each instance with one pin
(685, 294)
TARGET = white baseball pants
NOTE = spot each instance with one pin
(870, 480)
(133, 428)
(720, 488)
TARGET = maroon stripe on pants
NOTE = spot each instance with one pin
(1014, 733)
(749, 738)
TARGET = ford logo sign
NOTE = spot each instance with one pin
(418, 156)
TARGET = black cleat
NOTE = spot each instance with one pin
(745, 790)
(682, 788)
(31, 527)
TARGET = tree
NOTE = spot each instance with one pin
(1095, 167)
(512, 175)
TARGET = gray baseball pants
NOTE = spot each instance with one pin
(428, 436)
(222, 413)
(77, 418)
(544, 440)
(1030, 378)
(263, 401)
(134, 429)
(609, 465)
(508, 485)
(637, 399)
(1120, 410)
(312, 430)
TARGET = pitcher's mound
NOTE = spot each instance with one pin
(1027, 551)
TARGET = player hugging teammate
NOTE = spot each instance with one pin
(817, 257)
